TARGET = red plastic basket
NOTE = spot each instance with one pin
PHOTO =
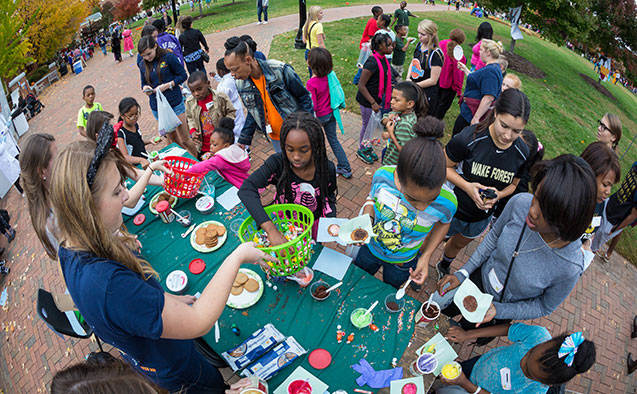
(180, 184)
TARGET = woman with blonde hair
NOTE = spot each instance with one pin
(116, 290)
(609, 130)
(483, 86)
(313, 35)
(426, 66)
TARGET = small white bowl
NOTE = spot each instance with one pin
(205, 205)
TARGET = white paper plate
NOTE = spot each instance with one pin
(246, 299)
(363, 221)
(468, 288)
(203, 248)
(155, 197)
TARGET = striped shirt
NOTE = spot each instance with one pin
(399, 233)
(403, 131)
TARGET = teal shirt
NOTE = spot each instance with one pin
(399, 234)
(487, 371)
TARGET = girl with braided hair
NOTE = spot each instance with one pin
(302, 175)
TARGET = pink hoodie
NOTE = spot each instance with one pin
(475, 58)
(232, 163)
(450, 75)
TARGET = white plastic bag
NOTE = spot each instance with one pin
(166, 118)
(374, 130)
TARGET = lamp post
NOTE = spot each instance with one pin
(298, 41)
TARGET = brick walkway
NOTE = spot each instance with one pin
(601, 305)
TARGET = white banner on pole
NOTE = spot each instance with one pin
(514, 14)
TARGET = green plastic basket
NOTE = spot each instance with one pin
(292, 256)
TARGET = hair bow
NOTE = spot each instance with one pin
(569, 347)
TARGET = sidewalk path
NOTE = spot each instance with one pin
(603, 303)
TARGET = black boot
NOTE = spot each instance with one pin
(632, 334)
(630, 363)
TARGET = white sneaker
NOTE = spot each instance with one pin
(265, 23)
(258, 23)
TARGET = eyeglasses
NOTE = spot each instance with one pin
(603, 126)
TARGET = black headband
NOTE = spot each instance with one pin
(104, 143)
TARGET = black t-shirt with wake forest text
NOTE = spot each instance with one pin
(483, 162)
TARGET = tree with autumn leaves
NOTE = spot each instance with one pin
(15, 46)
(125, 9)
(55, 23)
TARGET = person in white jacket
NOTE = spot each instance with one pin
(228, 86)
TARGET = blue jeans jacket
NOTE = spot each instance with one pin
(287, 92)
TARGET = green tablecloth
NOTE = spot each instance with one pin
(290, 308)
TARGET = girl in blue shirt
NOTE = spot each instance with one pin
(116, 290)
(407, 202)
(533, 362)
(160, 69)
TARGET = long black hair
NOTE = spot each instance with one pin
(308, 123)
(557, 370)
(485, 30)
(513, 102)
(566, 190)
(413, 92)
(422, 161)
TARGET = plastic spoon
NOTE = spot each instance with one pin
(183, 219)
(401, 292)
(333, 287)
(429, 301)
(367, 312)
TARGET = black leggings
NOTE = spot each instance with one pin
(460, 124)
(445, 99)
(197, 65)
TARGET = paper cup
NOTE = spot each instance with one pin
(359, 319)
(423, 364)
(451, 370)
(256, 386)
(423, 319)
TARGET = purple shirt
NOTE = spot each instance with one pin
(171, 43)
(320, 91)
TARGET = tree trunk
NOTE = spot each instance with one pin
(512, 46)
(200, 9)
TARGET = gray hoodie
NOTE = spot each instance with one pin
(542, 277)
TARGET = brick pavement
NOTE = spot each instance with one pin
(602, 303)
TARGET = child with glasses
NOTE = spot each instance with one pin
(129, 138)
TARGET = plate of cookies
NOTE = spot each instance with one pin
(208, 236)
(247, 289)
(161, 196)
(356, 231)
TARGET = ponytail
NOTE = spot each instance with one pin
(456, 37)
(556, 368)
(422, 161)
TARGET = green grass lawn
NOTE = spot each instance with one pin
(565, 108)
(225, 14)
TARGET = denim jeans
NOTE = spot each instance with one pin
(309, 70)
(393, 274)
(264, 10)
(329, 124)
(276, 145)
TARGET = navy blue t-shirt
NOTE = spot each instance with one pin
(487, 80)
(171, 70)
(125, 311)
